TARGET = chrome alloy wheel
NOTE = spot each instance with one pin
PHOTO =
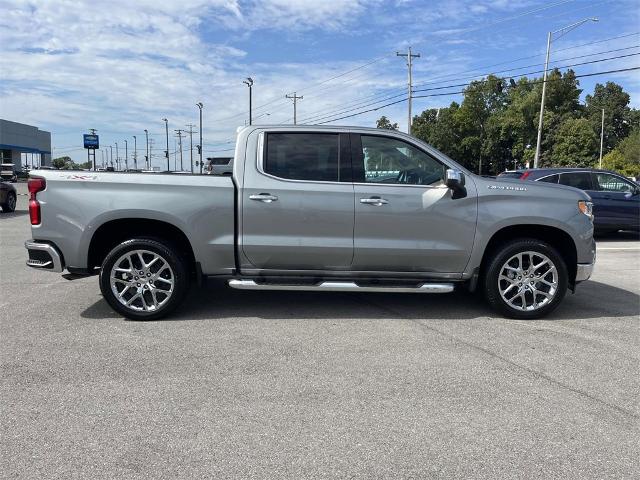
(528, 281)
(142, 280)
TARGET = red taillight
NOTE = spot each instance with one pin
(35, 185)
(525, 175)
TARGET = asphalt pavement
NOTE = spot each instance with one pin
(299, 385)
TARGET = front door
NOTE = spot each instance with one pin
(616, 201)
(297, 205)
(405, 217)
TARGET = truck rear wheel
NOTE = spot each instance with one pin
(525, 279)
(144, 279)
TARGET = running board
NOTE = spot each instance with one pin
(342, 287)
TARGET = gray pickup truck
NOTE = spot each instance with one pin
(320, 209)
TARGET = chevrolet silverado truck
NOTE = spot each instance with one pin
(315, 208)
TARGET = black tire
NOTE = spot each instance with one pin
(9, 204)
(495, 265)
(178, 274)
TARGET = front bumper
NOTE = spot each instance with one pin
(44, 256)
(584, 271)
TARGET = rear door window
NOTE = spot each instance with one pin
(606, 182)
(303, 156)
(550, 179)
(581, 180)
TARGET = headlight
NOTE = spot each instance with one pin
(586, 208)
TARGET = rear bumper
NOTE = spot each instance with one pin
(44, 256)
(584, 271)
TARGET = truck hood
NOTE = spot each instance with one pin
(528, 188)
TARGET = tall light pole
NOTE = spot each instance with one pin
(166, 152)
(146, 158)
(126, 155)
(601, 139)
(561, 31)
(410, 56)
(249, 83)
(200, 105)
(135, 153)
(117, 158)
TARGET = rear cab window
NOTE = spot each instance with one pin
(303, 156)
(550, 179)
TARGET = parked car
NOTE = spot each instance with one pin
(8, 173)
(304, 210)
(8, 197)
(616, 199)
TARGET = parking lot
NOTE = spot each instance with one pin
(317, 385)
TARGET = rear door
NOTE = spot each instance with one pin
(406, 220)
(297, 202)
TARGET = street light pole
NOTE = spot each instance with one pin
(135, 153)
(126, 155)
(166, 152)
(117, 158)
(249, 83)
(562, 31)
(601, 139)
(146, 158)
(200, 105)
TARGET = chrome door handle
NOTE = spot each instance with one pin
(264, 197)
(375, 201)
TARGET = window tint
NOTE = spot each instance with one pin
(510, 175)
(611, 183)
(550, 179)
(302, 156)
(581, 180)
(387, 160)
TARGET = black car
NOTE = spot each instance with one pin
(7, 197)
(616, 199)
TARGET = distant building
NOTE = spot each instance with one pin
(22, 144)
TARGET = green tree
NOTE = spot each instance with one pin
(384, 122)
(625, 159)
(61, 162)
(438, 127)
(576, 144)
(617, 114)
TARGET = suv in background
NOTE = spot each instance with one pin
(616, 199)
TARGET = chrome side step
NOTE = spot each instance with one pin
(330, 286)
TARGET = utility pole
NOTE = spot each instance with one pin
(409, 56)
(126, 156)
(249, 83)
(179, 132)
(200, 105)
(135, 153)
(561, 31)
(191, 143)
(295, 99)
(601, 139)
(166, 152)
(146, 158)
(111, 148)
(117, 158)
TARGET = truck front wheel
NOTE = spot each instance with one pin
(525, 279)
(144, 279)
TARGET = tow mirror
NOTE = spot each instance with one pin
(454, 180)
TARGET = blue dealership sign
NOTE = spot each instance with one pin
(91, 141)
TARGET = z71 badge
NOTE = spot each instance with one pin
(506, 187)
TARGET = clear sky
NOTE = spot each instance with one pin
(121, 66)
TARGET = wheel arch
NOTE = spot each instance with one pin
(114, 232)
(554, 236)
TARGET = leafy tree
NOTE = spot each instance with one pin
(576, 144)
(384, 122)
(61, 162)
(625, 159)
(438, 127)
(617, 114)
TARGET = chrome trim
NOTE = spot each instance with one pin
(342, 287)
(584, 271)
(58, 267)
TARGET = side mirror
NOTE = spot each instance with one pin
(454, 180)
